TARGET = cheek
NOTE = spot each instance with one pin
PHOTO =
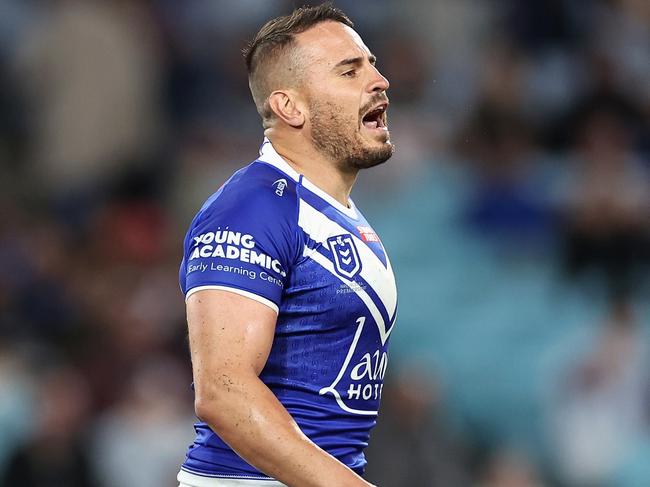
(348, 108)
(345, 103)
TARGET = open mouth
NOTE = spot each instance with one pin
(376, 118)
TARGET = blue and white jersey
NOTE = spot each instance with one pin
(270, 234)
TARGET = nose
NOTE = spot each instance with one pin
(379, 82)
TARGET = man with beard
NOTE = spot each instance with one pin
(290, 295)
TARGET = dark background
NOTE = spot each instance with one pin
(515, 210)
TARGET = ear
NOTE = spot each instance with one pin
(286, 106)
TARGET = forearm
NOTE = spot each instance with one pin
(248, 416)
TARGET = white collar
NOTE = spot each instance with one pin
(269, 155)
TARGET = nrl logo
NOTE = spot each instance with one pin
(346, 257)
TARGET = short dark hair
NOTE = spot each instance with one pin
(279, 32)
(274, 39)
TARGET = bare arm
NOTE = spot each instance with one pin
(230, 340)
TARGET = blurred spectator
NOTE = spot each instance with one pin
(506, 468)
(91, 71)
(153, 411)
(622, 35)
(600, 412)
(56, 454)
(35, 305)
(547, 25)
(606, 204)
(16, 402)
(509, 200)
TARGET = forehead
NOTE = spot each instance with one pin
(329, 42)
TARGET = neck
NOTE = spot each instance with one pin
(311, 163)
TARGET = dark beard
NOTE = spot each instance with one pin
(332, 134)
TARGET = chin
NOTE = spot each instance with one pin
(381, 141)
(370, 156)
(385, 140)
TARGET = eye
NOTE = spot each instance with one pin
(350, 74)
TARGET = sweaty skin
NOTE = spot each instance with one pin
(231, 335)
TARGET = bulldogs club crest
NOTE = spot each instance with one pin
(346, 257)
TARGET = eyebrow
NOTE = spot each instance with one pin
(355, 61)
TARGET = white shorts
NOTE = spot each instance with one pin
(188, 479)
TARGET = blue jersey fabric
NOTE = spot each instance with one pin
(269, 234)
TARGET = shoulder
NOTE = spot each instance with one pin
(258, 192)
(244, 231)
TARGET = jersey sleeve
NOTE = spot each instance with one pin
(243, 242)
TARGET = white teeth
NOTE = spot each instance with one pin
(377, 111)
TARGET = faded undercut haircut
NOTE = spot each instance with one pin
(271, 57)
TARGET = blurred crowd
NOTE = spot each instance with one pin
(516, 211)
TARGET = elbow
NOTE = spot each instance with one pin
(218, 411)
(212, 402)
(217, 414)
(203, 409)
(209, 407)
(218, 399)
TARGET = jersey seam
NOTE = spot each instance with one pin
(235, 290)
(277, 169)
(235, 286)
(298, 231)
